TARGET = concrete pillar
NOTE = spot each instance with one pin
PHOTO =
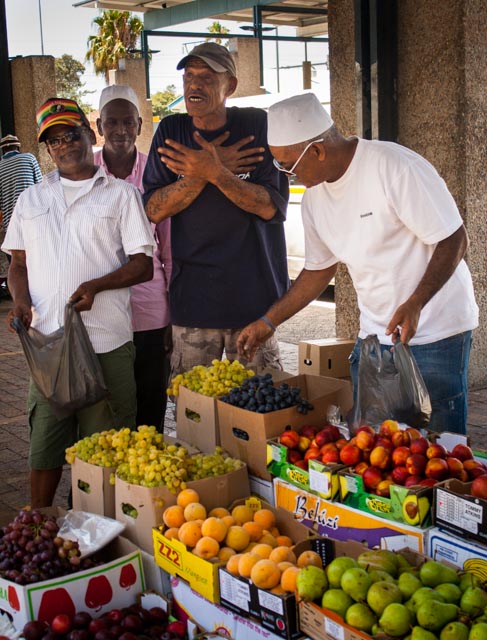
(33, 82)
(441, 87)
(246, 55)
(132, 72)
(306, 74)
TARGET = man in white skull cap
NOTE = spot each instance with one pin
(384, 212)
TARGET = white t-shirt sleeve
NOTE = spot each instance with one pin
(423, 203)
(317, 254)
(14, 239)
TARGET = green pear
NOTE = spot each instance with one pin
(408, 584)
(451, 592)
(418, 633)
(379, 559)
(396, 620)
(433, 573)
(311, 582)
(423, 594)
(468, 579)
(380, 594)
(478, 631)
(356, 582)
(336, 600)
(433, 615)
(402, 563)
(473, 601)
(336, 568)
(359, 615)
(454, 631)
(380, 576)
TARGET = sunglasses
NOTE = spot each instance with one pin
(291, 172)
(71, 136)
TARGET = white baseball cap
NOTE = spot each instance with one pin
(118, 92)
(296, 120)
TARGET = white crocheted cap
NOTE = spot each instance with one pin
(296, 120)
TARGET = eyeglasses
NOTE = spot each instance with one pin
(290, 172)
(71, 136)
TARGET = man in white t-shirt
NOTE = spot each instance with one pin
(383, 211)
(80, 235)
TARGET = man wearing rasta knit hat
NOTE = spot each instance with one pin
(80, 236)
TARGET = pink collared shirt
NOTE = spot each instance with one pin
(149, 300)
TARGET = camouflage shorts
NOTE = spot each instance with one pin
(192, 346)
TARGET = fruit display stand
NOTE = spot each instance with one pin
(327, 357)
(91, 488)
(244, 434)
(140, 508)
(456, 510)
(406, 505)
(118, 582)
(341, 522)
(274, 611)
(465, 554)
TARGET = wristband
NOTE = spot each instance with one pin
(268, 322)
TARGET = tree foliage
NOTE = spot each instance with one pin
(161, 99)
(117, 37)
(217, 27)
(69, 72)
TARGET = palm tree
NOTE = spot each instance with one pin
(118, 33)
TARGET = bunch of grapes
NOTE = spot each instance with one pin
(31, 550)
(259, 394)
(213, 381)
(204, 465)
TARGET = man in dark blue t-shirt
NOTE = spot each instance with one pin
(228, 204)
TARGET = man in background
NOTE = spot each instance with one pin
(17, 172)
(120, 124)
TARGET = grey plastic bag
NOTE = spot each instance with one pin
(63, 364)
(390, 386)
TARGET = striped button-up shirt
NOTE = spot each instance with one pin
(68, 245)
(17, 172)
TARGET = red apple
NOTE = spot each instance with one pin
(371, 477)
(388, 427)
(364, 439)
(400, 455)
(455, 467)
(289, 438)
(308, 431)
(401, 438)
(420, 446)
(400, 475)
(462, 452)
(437, 468)
(360, 468)
(416, 464)
(380, 457)
(479, 487)
(303, 443)
(413, 480)
(293, 455)
(383, 488)
(350, 454)
(436, 450)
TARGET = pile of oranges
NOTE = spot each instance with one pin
(247, 541)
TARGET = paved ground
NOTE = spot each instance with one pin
(317, 321)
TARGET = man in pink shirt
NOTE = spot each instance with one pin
(119, 123)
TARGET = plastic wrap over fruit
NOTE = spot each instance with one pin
(90, 530)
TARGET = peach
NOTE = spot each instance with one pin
(302, 464)
(254, 530)
(420, 445)
(380, 457)
(416, 463)
(437, 468)
(414, 434)
(289, 438)
(371, 477)
(214, 528)
(436, 450)
(232, 564)
(479, 487)
(462, 452)
(187, 496)
(266, 518)
(282, 554)
(303, 443)
(308, 431)
(401, 438)
(267, 538)
(306, 558)
(474, 468)
(388, 427)
(246, 562)
(189, 533)
(360, 468)
(263, 549)
(455, 466)
(330, 453)
(383, 488)
(173, 516)
(329, 433)
(384, 441)
(313, 453)
(413, 480)
(288, 579)
(284, 541)
(194, 511)
(218, 512)
(265, 574)
(364, 439)
(350, 454)
(225, 553)
(400, 475)
(400, 455)
(428, 482)
(293, 456)
(206, 548)
(237, 538)
(341, 442)
(242, 513)
(366, 427)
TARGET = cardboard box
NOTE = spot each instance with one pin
(320, 478)
(328, 357)
(244, 434)
(197, 420)
(213, 618)
(464, 554)
(278, 613)
(263, 489)
(456, 510)
(141, 508)
(117, 583)
(92, 490)
(202, 575)
(411, 506)
(340, 522)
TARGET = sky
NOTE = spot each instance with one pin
(65, 29)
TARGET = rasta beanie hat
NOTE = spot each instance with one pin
(59, 111)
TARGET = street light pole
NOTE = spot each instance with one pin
(40, 26)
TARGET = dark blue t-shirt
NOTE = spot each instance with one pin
(229, 265)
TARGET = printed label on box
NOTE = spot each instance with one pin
(451, 508)
(319, 481)
(234, 591)
(270, 601)
(333, 629)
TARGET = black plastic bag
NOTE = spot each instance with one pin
(63, 364)
(390, 386)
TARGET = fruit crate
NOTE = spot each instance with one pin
(321, 479)
(92, 490)
(457, 511)
(407, 505)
